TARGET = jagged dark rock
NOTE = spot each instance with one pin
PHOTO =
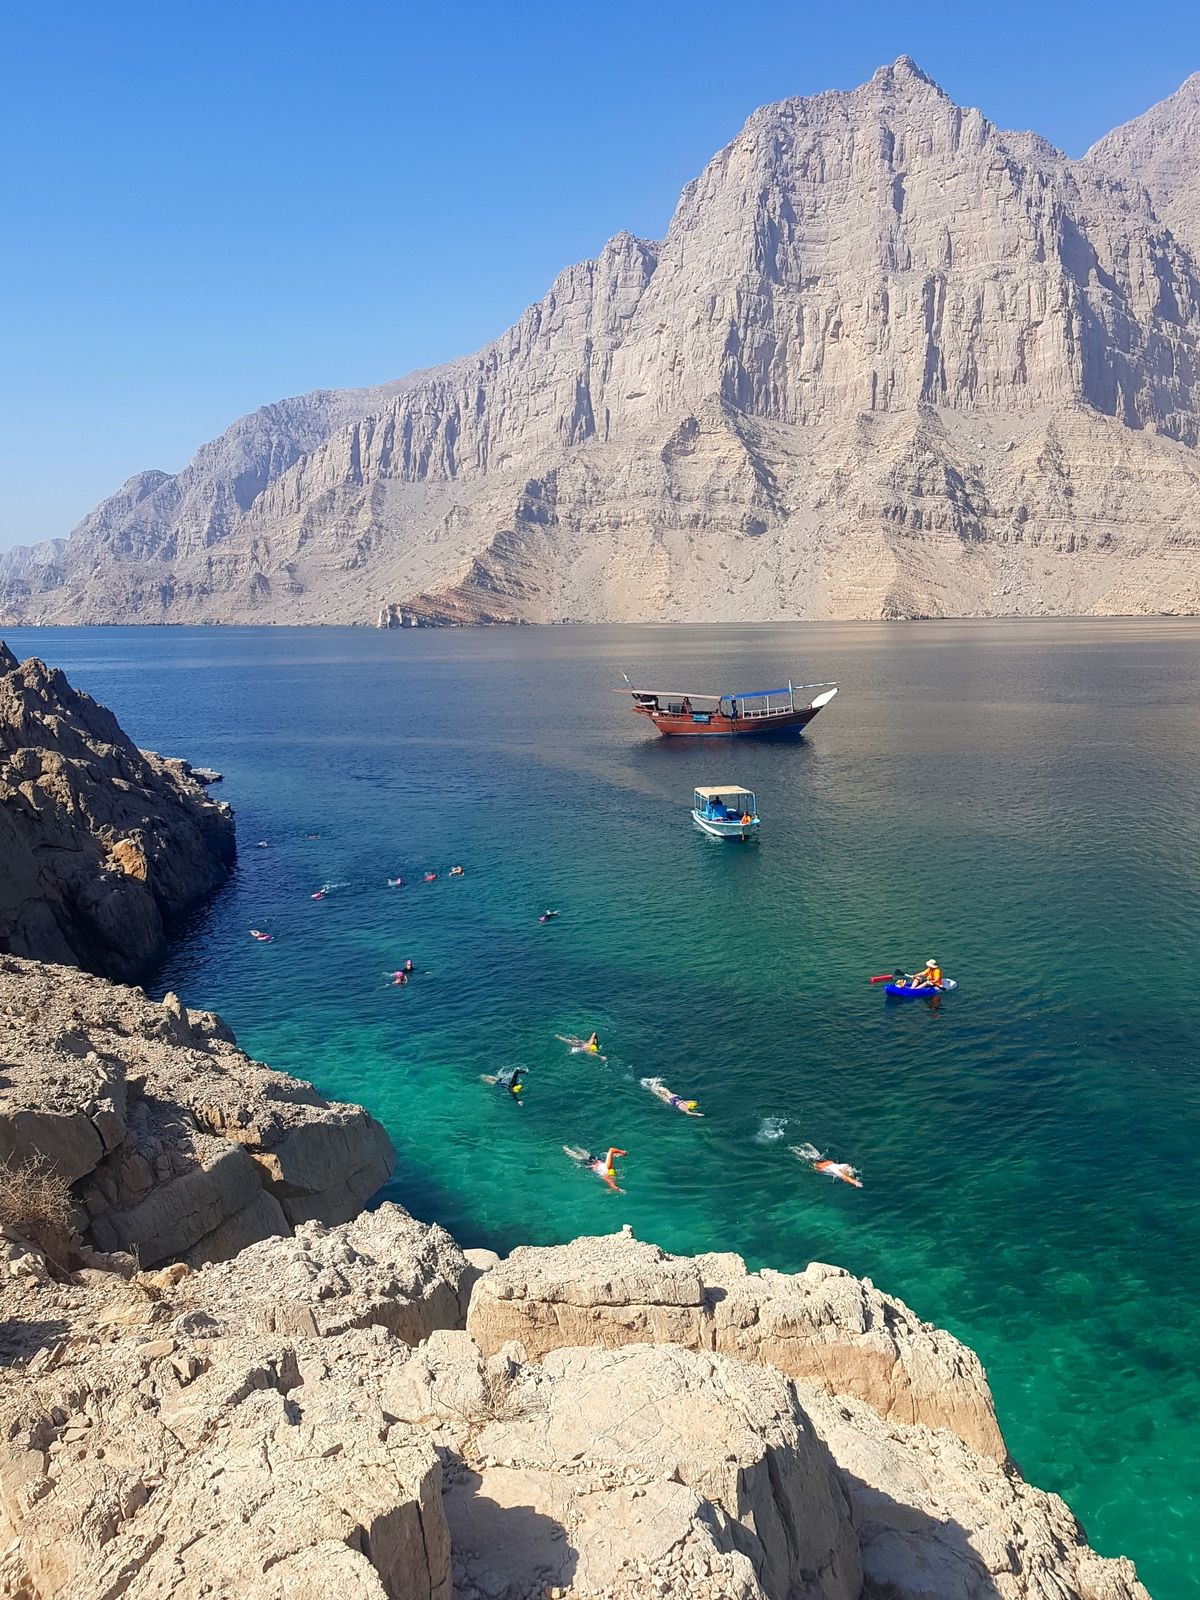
(102, 845)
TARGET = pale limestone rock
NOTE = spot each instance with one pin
(593, 1423)
(831, 1328)
(939, 1522)
(137, 1485)
(383, 1269)
(218, 1182)
(178, 1144)
(889, 360)
(162, 1435)
(262, 1217)
(78, 1114)
(822, 1325)
(1161, 149)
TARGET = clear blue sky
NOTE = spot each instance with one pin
(212, 204)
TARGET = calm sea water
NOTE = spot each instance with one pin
(1019, 800)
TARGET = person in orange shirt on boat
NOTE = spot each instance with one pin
(931, 973)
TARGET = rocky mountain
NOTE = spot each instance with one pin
(102, 845)
(1161, 149)
(888, 361)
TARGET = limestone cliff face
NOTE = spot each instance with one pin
(888, 361)
(1161, 149)
(822, 1325)
(101, 844)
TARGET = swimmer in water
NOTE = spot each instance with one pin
(839, 1169)
(507, 1078)
(585, 1047)
(264, 844)
(656, 1086)
(831, 1169)
(263, 938)
(456, 872)
(431, 877)
(395, 883)
(399, 979)
(602, 1166)
(547, 916)
(320, 894)
(408, 966)
(312, 835)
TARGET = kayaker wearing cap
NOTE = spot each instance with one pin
(931, 974)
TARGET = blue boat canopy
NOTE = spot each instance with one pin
(762, 694)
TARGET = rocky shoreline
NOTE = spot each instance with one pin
(102, 845)
(220, 1376)
(177, 1145)
(364, 1405)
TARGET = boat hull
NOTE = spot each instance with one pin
(724, 830)
(676, 725)
(906, 991)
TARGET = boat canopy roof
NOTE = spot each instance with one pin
(696, 694)
(714, 790)
(672, 694)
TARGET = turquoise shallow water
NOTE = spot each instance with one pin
(1018, 799)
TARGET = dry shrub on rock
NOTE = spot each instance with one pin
(35, 1203)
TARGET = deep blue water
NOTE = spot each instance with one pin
(1018, 799)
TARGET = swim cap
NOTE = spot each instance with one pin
(690, 1104)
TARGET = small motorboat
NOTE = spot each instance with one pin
(725, 811)
(914, 991)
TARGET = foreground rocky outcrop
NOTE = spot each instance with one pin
(232, 1383)
(821, 1325)
(311, 1419)
(177, 1145)
(101, 844)
(889, 360)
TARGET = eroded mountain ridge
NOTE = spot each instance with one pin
(888, 361)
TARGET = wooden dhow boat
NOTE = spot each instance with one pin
(726, 716)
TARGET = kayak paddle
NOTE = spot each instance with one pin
(887, 977)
